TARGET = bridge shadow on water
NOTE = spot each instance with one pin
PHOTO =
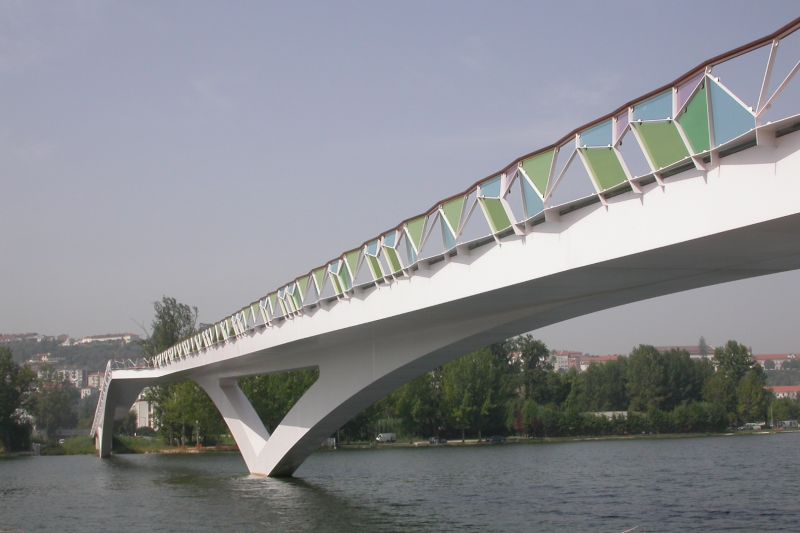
(212, 487)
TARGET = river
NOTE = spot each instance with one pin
(694, 484)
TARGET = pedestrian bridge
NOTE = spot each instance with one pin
(693, 184)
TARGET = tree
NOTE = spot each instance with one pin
(182, 410)
(751, 396)
(16, 384)
(530, 360)
(272, 395)
(646, 379)
(172, 323)
(472, 391)
(55, 406)
(733, 360)
(418, 404)
(720, 391)
(702, 345)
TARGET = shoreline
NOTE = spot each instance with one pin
(227, 448)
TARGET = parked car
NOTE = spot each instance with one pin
(436, 441)
(496, 439)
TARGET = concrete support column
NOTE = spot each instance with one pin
(246, 427)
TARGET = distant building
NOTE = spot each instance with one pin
(563, 360)
(94, 380)
(108, 337)
(144, 412)
(86, 392)
(774, 361)
(695, 352)
(785, 391)
(587, 360)
(17, 337)
(73, 375)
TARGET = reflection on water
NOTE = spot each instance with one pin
(741, 483)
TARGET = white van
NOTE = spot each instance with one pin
(386, 437)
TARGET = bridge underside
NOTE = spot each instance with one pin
(702, 229)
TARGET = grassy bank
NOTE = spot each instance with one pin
(125, 444)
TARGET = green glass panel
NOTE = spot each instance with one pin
(302, 284)
(352, 261)
(538, 170)
(298, 302)
(254, 311)
(273, 301)
(393, 260)
(662, 142)
(375, 267)
(415, 230)
(337, 287)
(605, 167)
(453, 211)
(319, 277)
(347, 281)
(694, 121)
(496, 214)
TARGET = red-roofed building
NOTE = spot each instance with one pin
(774, 361)
(785, 391)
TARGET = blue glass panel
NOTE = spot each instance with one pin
(334, 267)
(389, 239)
(372, 248)
(730, 118)
(533, 204)
(411, 255)
(491, 188)
(657, 108)
(599, 135)
(448, 237)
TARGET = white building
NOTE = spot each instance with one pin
(73, 375)
(144, 412)
(108, 337)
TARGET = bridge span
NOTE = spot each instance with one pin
(688, 186)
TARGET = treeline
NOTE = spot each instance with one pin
(47, 403)
(507, 388)
(511, 388)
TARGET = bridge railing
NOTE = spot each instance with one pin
(115, 364)
(714, 109)
(101, 400)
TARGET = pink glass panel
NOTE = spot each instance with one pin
(686, 88)
(622, 123)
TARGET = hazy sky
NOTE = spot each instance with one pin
(211, 151)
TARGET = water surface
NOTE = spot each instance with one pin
(699, 484)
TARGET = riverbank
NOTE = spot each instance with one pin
(154, 445)
(552, 440)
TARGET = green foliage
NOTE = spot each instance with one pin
(273, 395)
(733, 360)
(751, 396)
(183, 411)
(79, 446)
(473, 391)
(16, 384)
(172, 323)
(55, 406)
(185, 414)
(785, 409)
